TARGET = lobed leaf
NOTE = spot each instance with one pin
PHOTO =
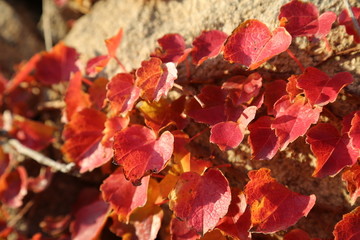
(273, 206)
(345, 19)
(96, 65)
(155, 79)
(97, 92)
(293, 119)
(242, 89)
(56, 65)
(33, 134)
(332, 150)
(83, 135)
(192, 201)
(229, 134)
(208, 45)
(122, 195)
(348, 227)
(352, 179)
(172, 49)
(89, 220)
(163, 113)
(75, 98)
(213, 110)
(302, 19)
(251, 44)
(138, 151)
(237, 221)
(122, 93)
(113, 43)
(319, 88)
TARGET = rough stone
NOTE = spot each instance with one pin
(17, 41)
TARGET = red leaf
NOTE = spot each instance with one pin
(208, 45)
(273, 92)
(140, 153)
(83, 136)
(302, 19)
(333, 151)
(34, 135)
(352, 179)
(293, 119)
(297, 234)
(122, 93)
(292, 88)
(97, 92)
(251, 44)
(112, 125)
(163, 113)
(262, 139)
(96, 65)
(172, 49)
(237, 221)
(213, 111)
(354, 132)
(242, 89)
(273, 206)
(122, 195)
(23, 73)
(13, 187)
(229, 134)
(113, 43)
(319, 88)
(192, 201)
(148, 228)
(89, 220)
(348, 227)
(56, 65)
(75, 98)
(179, 230)
(4, 162)
(344, 19)
(120, 228)
(155, 79)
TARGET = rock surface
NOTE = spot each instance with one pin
(17, 41)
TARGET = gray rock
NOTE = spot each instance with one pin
(17, 41)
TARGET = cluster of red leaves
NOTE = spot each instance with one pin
(132, 119)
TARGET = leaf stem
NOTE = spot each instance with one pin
(120, 64)
(292, 55)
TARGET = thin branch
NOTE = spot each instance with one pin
(46, 24)
(20, 214)
(352, 16)
(40, 158)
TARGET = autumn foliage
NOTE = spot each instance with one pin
(136, 131)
